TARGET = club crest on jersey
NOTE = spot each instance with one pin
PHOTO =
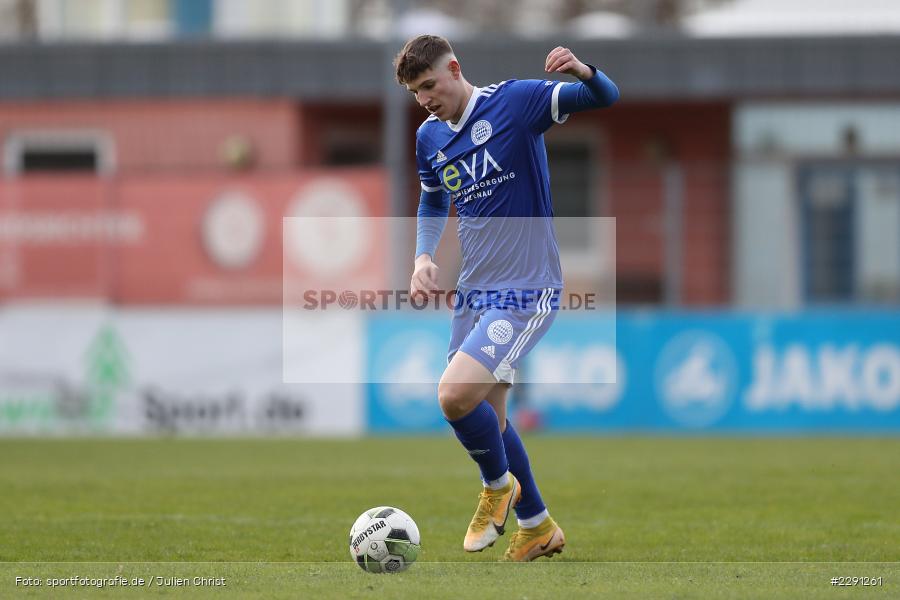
(481, 132)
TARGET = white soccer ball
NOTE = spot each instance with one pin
(384, 540)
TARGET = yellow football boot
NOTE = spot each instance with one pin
(489, 521)
(546, 539)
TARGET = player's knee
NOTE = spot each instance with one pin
(456, 400)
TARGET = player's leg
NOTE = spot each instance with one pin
(462, 391)
(497, 399)
(538, 534)
(515, 333)
(530, 510)
(464, 384)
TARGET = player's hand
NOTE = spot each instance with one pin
(424, 278)
(561, 60)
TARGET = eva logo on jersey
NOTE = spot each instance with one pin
(454, 174)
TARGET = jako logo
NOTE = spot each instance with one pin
(696, 378)
(825, 377)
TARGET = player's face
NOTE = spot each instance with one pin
(439, 91)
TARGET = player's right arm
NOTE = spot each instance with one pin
(543, 103)
(434, 206)
(593, 90)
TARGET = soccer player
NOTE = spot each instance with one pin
(483, 149)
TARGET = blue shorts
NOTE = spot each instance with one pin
(499, 335)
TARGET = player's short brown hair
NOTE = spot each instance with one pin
(418, 55)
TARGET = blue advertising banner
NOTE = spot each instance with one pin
(829, 371)
(406, 357)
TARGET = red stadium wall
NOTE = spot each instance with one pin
(183, 140)
(640, 139)
(329, 128)
(205, 239)
(172, 135)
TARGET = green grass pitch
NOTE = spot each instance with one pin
(644, 517)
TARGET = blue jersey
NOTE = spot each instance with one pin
(493, 165)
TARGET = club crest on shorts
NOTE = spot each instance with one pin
(500, 331)
(481, 132)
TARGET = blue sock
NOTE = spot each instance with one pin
(479, 433)
(531, 502)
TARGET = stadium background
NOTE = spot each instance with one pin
(151, 148)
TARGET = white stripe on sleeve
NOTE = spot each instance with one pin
(554, 105)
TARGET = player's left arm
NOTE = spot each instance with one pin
(594, 89)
